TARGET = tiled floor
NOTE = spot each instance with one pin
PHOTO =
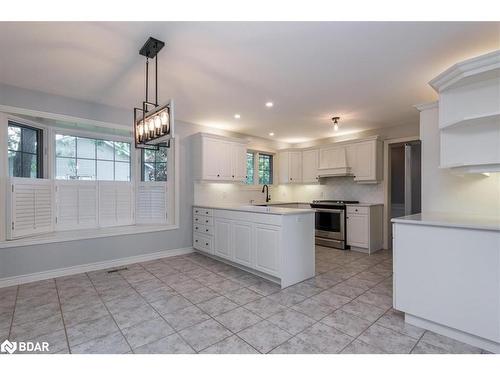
(193, 304)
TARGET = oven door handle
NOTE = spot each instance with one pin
(339, 211)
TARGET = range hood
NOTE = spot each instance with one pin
(333, 163)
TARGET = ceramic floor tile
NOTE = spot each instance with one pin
(129, 317)
(347, 323)
(147, 332)
(29, 314)
(204, 334)
(448, 344)
(186, 286)
(325, 339)
(38, 327)
(264, 287)
(388, 340)
(264, 307)
(84, 314)
(113, 343)
(170, 304)
(186, 317)
(200, 295)
(295, 346)
(90, 330)
(378, 300)
(331, 299)
(360, 347)
(423, 347)
(217, 306)
(313, 309)
(287, 297)
(395, 320)
(363, 310)
(344, 289)
(306, 289)
(243, 296)
(231, 345)
(291, 321)
(264, 336)
(225, 286)
(156, 294)
(173, 344)
(238, 319)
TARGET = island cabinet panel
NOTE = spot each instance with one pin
(267, 249)
(277, 247)
(222, 229)
(242, 242)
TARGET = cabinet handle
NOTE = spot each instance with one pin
(233, 175)
(196, 228)
(218, 175)
(206, 243)
(206, 213)
(206, 230)
(195, 240)
(206, 221)
(195, 219)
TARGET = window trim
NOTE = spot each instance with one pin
(256, 185)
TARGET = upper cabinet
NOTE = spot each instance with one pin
(469, 115)
(367, 161)
(290, 167)
(310, 166)
(219, 158)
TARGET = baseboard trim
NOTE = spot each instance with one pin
(59, 272)
(453, 333)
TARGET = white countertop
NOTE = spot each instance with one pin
(451, 220)
(365, 204)
(258, 209)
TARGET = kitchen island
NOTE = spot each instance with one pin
(276, 243)
(447, 275)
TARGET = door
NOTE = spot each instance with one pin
(310, 166)
(357, 230)
(222, 238)
(239, 160)
(242, 242)
(267, 238)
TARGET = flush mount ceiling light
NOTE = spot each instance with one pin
(335, 123)
(153, 123)
(269, 104)
(271, 134)
(237, 116)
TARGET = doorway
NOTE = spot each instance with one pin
(403, 182)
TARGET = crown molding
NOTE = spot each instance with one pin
(425, 106)
(468, 68)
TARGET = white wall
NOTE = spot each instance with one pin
(444, 192)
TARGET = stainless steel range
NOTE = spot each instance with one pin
(331, 222)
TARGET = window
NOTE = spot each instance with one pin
(80, 158)
(24, 151)
(154, 164)
(263, 164)
(250, 167)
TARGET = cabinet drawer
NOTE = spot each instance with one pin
(203, 229)
(204, 220)
(202, 243)
(357, 210)
(202, 211)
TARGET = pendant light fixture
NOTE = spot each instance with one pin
(153, 123)
(335, 123)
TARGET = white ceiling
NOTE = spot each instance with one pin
(369, 73)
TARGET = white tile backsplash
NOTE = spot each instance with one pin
(218, 193)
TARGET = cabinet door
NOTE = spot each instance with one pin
(239, 160)
(210, 159)
(357, 230)
(295, 167)
(222, 238)
(310, 166)
(225, 162)
(267, 239)
(284, 167)
(242, 242)
(365, 161)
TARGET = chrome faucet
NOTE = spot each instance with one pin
(268, 197)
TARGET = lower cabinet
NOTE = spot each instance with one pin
(364, 227)
(358, 232)
(222, 235)
(267, 248)
(242, 240)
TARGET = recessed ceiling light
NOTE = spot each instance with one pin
(269, 104)
(237, 116)
(271, 134)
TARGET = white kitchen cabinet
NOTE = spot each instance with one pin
(310, 166)
(290, 167)
(219, 158)
(222, 238)
(364, 227)
(267, 249)
(274, 246)
(367, 167)
(242, 242)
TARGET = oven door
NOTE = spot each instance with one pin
(330, 223)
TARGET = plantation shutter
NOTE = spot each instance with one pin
(116, 203)
(30, 207)
(76, 203)
(151, 202)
